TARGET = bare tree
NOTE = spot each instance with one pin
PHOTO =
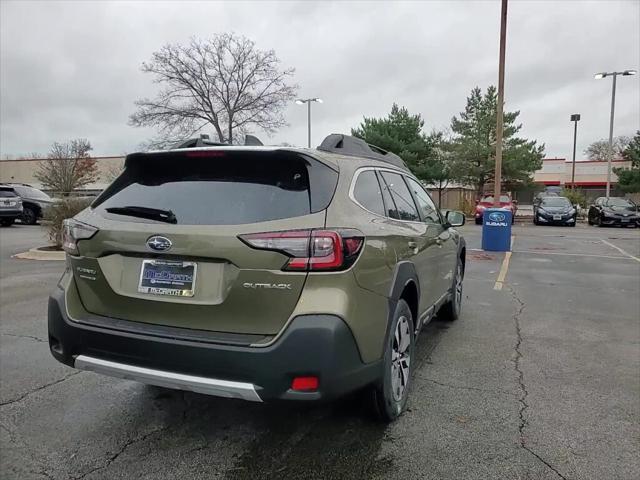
(68, 167)
(600, 149)
(113, 171)
(224, 82)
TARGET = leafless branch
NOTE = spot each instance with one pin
(68, 167)
(224, 82)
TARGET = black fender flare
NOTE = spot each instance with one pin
(403, 274)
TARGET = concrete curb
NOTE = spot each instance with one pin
(36, 254)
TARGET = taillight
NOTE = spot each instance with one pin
(311, 250)
(72, 232)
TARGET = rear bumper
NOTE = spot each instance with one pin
(10, 213)
(312, 345)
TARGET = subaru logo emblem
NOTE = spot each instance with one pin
(497, 217)
(159, 243)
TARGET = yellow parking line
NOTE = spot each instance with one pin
(504, 268)
(620, 250)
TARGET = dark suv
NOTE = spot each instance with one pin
(259, 273)
(34, 202)
(10, 206)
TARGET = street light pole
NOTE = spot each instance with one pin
(598, 76)
(613, 109)
(575, 118)
(499, 113)
(309, 124)
(302, 101)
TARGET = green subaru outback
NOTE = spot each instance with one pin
(259, 273)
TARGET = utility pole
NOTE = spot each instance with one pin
(575, 118)
(499, 116)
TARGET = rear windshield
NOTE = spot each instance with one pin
(489, 199)
(5, 192)
(31, 193)
(225, 189)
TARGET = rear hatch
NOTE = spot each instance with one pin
(187, 267)
(9, 201)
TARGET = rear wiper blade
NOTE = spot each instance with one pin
(145, 212)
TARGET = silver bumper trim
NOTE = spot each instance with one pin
(161, 378)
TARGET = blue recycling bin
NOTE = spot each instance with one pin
(496, 229)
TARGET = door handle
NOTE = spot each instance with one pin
(412, 244)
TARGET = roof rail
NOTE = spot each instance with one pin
(203, 141)
(349, 145)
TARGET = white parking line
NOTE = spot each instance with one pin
(535, 252)
(504, 268)
(620, 250)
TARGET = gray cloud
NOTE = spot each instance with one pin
(71, 69)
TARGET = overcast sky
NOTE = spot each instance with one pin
(71, 69)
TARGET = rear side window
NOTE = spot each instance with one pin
(222, 188)
(426, 205)
(6, 192)
(402, 197)
(367, 192)
(389, 203)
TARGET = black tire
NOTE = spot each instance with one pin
(450, 311)
(29, 216)
(478, 221)
(389, 399)
(7, 222)
(589, 221)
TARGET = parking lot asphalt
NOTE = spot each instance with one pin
(539, 379)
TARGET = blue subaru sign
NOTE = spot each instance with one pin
(496, 230)
(497, 217)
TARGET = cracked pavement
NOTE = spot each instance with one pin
(538, 381)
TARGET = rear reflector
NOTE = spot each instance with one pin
(305, 384)
(311, 250)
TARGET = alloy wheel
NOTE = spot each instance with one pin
(400, 358)
(457, 292)
(28, 216)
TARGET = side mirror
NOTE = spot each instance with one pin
(477, 201)
(515, 202)
(455, 218)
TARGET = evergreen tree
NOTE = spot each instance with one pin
(474, 144)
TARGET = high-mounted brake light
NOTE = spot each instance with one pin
(311, 250)
(205, 153)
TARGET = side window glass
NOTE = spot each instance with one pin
(367, 192)
(425, 204)
(390, 205)
(400, 193)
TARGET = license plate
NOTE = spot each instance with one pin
(557, 217)
(163, 277)
(624, 220)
